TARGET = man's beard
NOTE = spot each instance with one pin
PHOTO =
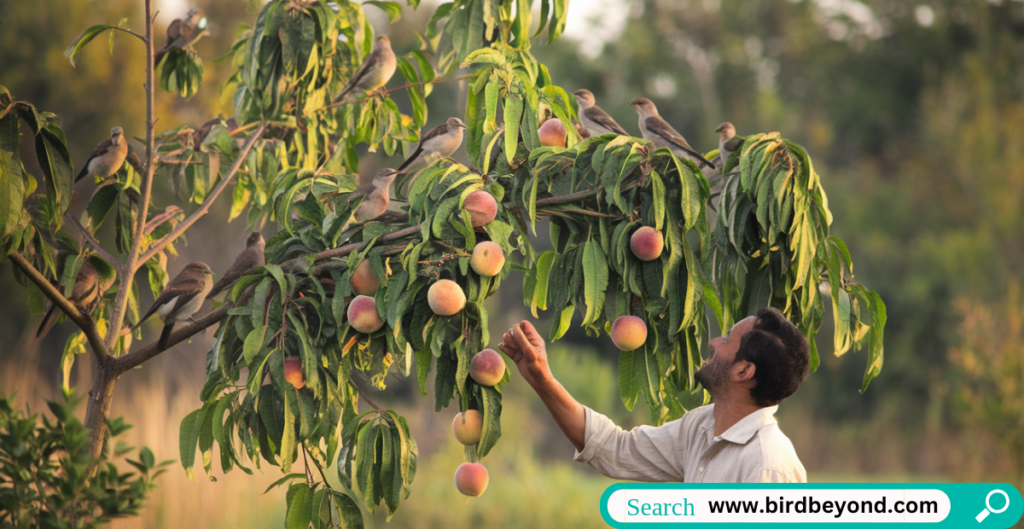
(711, 375)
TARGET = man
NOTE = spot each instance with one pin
(760, 362)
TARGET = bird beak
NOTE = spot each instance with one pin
(635, 102)
(719, 129)
(402, 172)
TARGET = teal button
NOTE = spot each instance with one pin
(849, 505)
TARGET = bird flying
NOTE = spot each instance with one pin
(251, 257)
(107, 157)
(441, 140)
(376, 70)
(661, 134)
(595, 120)
(180, 299)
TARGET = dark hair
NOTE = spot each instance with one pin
(780, 354)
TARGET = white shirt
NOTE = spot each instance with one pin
(753, 450)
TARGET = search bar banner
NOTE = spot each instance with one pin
(961, 505)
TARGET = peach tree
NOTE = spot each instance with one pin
(336, 303)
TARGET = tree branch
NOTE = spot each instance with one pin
(95, 244)
(127, 272)
(176, 232)
(133, 359)
(342, 251)
(81, 319)
(432, 81)
(132, 33)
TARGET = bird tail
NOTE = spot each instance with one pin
(165, 336)
(217, 289)
(344, 92)
(409, 161)
(49, 320)
(83, 172)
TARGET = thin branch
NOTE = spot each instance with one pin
(565, 199)
(176, 232)
(135, 358)
(132, 33)
(81, 319)
(368, 401)
(95, 244)
(342, 251)
(127, 273)
(432, 81)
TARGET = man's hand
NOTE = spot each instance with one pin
(523, 344)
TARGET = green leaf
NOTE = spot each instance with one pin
(540, 291)
(658, 200)
(298, 516)
(595, 272)
(513, 113)
(188, 438)
(393, 10)
(491, 432)
(253, 343)
(83, 39)
(876, 348)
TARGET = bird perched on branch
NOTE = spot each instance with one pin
(441, 140)
(251, 257)
(376, 70)
(661, 134)
(180, 299)
(595, 120)
(88, 286)
(377, 197)
(727, 142)
(182, 33)
(107, 157)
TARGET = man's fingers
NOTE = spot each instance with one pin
(531, 333)
(520, 339)
(512, 352)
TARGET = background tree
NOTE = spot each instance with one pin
(296, 166)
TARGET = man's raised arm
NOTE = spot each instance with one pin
(523, 344)
(645, 453)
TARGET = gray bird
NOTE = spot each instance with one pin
(661, 134)
(88, 286)
(595, 120)
(180, 299)
(441, 140)
(727, 142)
(377, 197)
(376, 70)
(107, 157)
(251, 257)
(182, 33)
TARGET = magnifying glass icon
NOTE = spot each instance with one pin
(988, 506)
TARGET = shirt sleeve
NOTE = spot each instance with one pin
(645, 453)
(775, 475)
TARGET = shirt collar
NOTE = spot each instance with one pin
(741, 432)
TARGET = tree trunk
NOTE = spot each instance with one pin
(100, 397)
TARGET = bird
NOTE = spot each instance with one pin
(377, 197)
(661, 134)
(107, 157)
(180, 299)
(727, 142)
(376, 70)
(595, 120)
(88, 285)
(182, 33)
(442, 140)
(251, 257)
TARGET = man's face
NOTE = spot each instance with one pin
(714, 374)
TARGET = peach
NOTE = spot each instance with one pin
(487, 367)
(363, 282)
(488, 259)
(647, 243)
(446, 297)
(482, 208)
(293, 372)
(629, 332)
(468, 426)
(552, 133)
(363, 315)
(471, 479)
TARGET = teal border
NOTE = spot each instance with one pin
(966, 501)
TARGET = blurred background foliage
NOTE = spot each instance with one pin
(911, 110)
